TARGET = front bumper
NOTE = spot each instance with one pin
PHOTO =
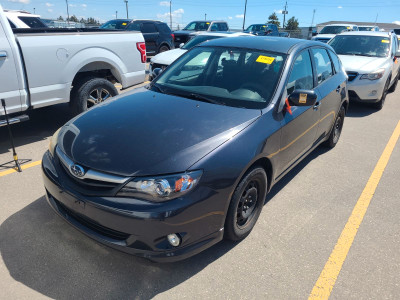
(368, 91)
(134, 226)
(153, 66)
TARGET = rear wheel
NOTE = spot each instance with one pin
(336, 130)
(90, 91)
(163, 48)
(378, 105)
(246, 204)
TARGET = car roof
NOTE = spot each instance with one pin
(341, 24)
(368, 33)
(273, 44)
(227, 34)
(207, 21)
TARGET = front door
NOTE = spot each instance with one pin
(9, 84)
(299, 128)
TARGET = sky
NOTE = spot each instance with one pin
(184, 11)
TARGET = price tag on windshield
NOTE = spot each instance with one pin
(385, 41)
(124, 24)
(265, 59)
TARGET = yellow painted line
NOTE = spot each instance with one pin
(327, 279)
(23, 167)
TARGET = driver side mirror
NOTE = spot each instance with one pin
(156, 72)
(302, 98)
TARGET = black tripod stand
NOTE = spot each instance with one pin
(15, 156)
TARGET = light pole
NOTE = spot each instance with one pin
(244, 15)
(34, 11)
(205, 17)
(284, 14)
(116, 14)
(66, 1)
(127, 13)
(170, 14)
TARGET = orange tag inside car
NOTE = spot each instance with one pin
(288, 107)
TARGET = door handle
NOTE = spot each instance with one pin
(317, 105)
(3, 55)
(338, 89)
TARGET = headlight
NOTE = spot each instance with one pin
(378, 74)
(161, 188)
(53, 141)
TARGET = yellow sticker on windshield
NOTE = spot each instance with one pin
(265, 59)
(303, 98)
(264, 26)
(348, 27)
(208, 23)
(124, 24)
(385, 41)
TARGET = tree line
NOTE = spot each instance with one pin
(73, 18)
(291, 24)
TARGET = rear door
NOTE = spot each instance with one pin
(9, 83)
(329, 88)
(299, 128)
(150, 35)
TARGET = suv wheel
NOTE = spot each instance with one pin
(163, 48)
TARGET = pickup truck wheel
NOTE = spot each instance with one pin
(90, 91)
(246, 204)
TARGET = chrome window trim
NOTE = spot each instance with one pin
(90, 174)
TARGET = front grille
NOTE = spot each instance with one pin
(352, 75)
(96, 227)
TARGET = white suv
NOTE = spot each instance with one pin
(371, 61)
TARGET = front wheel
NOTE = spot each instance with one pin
(246, 204)
(379, 105)
(336, 130)
(394, 85)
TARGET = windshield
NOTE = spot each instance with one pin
(256, 27)
(115, 24)
(199, 39)
(375, 46)
(197, 26)
(225, 76)
(366, 28)
(334, 29)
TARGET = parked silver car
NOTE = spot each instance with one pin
(371, 60)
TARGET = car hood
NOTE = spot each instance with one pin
(167, 57)
(149, 133)
(362, 64)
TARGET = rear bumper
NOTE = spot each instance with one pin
(137, 229)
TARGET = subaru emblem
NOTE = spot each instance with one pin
(77, 171)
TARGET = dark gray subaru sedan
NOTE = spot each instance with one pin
(170, 170)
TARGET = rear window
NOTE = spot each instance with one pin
(148, 28)
(12, 24)
(32, 22)
(199, 39)
(163, 28)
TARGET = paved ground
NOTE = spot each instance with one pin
(42, 256)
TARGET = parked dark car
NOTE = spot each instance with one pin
(157, 35)
(180, 165)
(263, 29)
(182, 36)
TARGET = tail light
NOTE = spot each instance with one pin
(142, 49)
(173, 37)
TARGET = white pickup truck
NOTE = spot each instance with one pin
(46, 66)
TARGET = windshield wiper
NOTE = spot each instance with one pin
(205, 99)
(162, 91)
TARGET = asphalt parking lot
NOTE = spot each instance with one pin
(301, 224)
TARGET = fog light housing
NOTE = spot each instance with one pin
(174, 239)
(373, 93)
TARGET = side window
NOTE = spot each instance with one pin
(323, 64)
(134, 27)
(335, 60)
(148, 28)
(223, 27)
(12, 24)
(301, 76)
(214, 27)
(394, 45)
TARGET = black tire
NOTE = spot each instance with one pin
(379, 105)
(394, 85)
(83, 94)
(163, 48)
(246, 204)
(336, 129)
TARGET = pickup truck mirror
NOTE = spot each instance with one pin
(156, 72)
(314, 33)
(302, 98)
(181, 45)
